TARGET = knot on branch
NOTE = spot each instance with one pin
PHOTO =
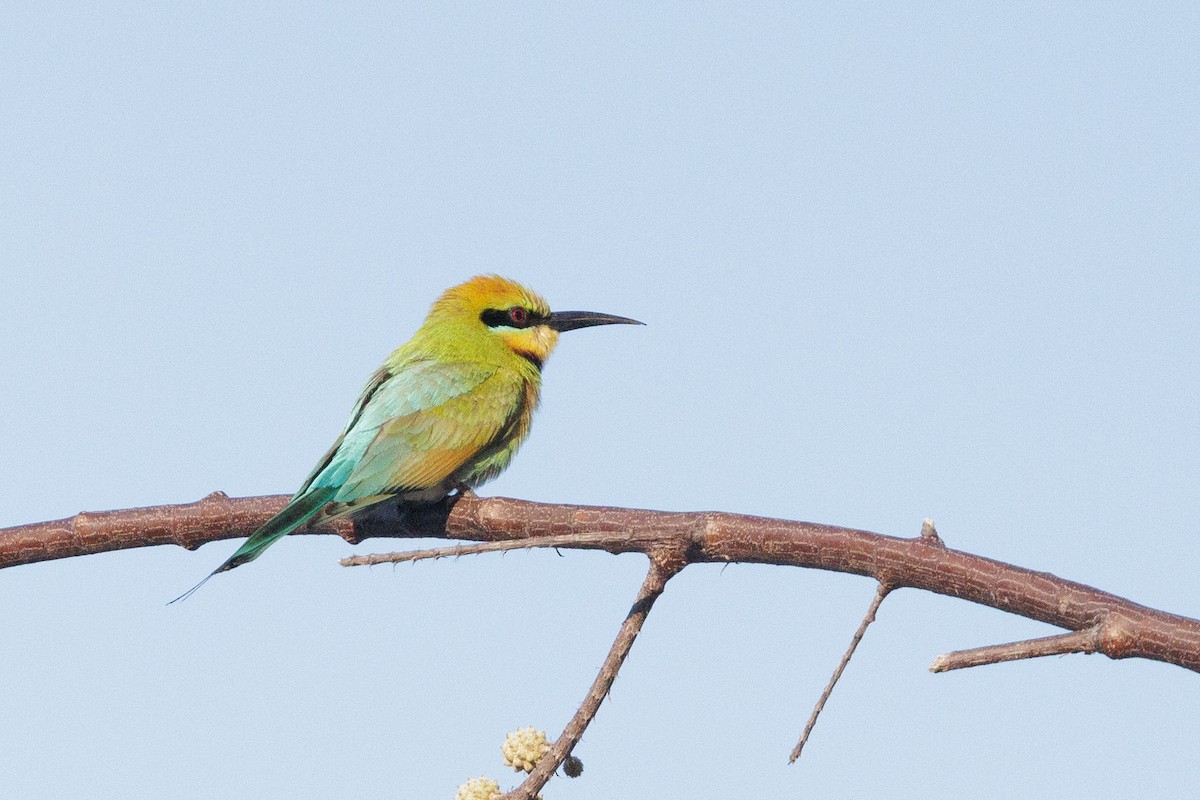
(214, 511)
(669, 558)
(1114, 636)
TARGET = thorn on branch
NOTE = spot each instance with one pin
(929, 534)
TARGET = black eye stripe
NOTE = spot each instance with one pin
(503, 317)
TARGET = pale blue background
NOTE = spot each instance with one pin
(921, 261)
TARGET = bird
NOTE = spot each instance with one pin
(446, 412)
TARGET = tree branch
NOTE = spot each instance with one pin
(663, 565)
(1086, 640)
(1124, 629)
(880, 593)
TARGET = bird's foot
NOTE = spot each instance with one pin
(462, 490)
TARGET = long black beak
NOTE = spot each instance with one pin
(570, 320)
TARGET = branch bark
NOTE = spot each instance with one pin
(1118, 627)
(1082, 641)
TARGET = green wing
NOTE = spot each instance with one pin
(411, 430)
(423, 449)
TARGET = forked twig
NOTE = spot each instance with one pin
(880, 593)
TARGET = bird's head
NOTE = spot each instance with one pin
(500, 315)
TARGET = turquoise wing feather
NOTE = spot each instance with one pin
(407, 418)
(410, 433)
(296, 513)
(426, 452)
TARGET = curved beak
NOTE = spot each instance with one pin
(570, 320)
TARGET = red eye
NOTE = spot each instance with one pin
(518, 315)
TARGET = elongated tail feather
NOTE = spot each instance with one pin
(296, 513)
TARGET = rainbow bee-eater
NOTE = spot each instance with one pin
(447, 410)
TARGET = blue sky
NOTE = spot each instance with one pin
(922, 260)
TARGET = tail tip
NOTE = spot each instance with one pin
(192, 590)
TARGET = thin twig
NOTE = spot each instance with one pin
(560, 540)
(662, 567)
(1085, 640)
(880, 593)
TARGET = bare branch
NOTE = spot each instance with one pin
(663, 565)
(1087, 640)
(880, 592)
(1129, 629)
